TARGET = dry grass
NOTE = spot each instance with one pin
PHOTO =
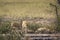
(28, 8)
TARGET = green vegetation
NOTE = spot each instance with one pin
(33, 26)
(5, 27)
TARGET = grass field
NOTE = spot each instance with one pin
(27, 8)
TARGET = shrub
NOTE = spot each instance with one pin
(1, 38)
(5, 27)
(33, 26)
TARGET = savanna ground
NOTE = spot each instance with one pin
(22, 9)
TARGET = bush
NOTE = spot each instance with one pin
(5, 27)
(58, 29)
(33, 26)
(1, 38)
